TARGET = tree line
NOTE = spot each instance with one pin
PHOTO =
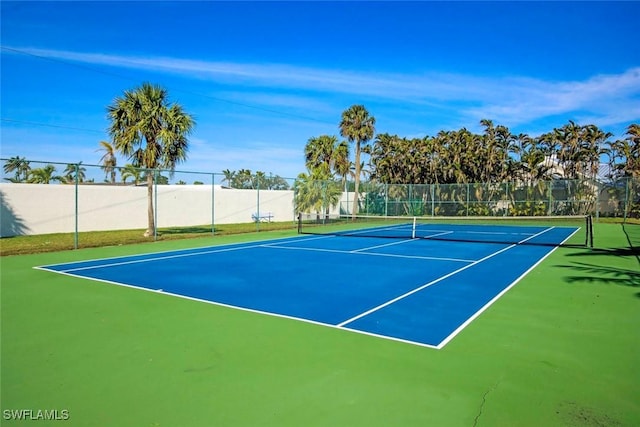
(496, 155)
(22, 172)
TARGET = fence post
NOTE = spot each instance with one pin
(597, 189)
(412, 209)
(386, 200)
(346, 188)
(433, 199)
(550, 210)
(75, 242)
(258, 205)
(213, 204)
(325, 202)
(468, 201)
(507, 199)
(155, 207)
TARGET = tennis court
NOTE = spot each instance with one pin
(423, 286)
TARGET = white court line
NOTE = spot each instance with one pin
(309, 321)
(178, 255)
(237, 307)
(278, 239)
(453, 334)
(497, 233)
(297, 248)
(382, 246)
(431, 236)
(433, 282)
(137, 261)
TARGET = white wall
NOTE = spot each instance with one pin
(41, 208)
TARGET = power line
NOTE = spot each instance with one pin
(25, 122)
(120, 76)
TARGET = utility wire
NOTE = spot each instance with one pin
(24, 122)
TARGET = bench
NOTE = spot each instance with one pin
(262, 217)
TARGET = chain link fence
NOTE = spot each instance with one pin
(47, 197)
(615, 198)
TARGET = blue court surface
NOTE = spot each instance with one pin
(418, 291)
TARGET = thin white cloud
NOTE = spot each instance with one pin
(510, 100)
(608, 99)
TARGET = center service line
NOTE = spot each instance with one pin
(433, 282)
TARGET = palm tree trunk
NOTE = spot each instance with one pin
(151, 229)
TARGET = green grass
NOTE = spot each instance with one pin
(19, 245)
(561, 348)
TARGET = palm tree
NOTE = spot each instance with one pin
(44, 175)
(624, 154)
(108, 160)
(229, 176)
(152, 132)
(311, 194)
(342, 164)
(550, 145)
(358, 127)
(261, 180)
(319, 155)
(130, 171)
(277, 183)
(633, 157)
(158, 178)
(243, 179)
(20, 166)
(70, 173)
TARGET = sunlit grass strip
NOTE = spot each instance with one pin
(65, 241)
(19, 245)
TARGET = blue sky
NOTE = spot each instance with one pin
(261, 78)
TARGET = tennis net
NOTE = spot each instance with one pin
(536, 230)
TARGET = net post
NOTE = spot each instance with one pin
(586, 226)
(590, 231)
(299, 223)
(413, 228)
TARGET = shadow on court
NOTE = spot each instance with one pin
(598, 265)
(619, 252)
(591, 273)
